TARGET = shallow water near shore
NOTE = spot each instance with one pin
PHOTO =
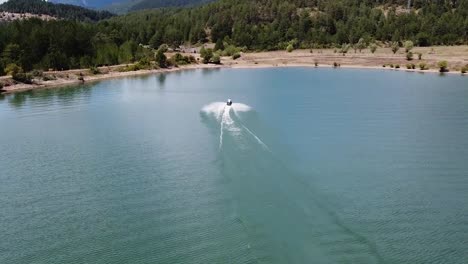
(307, 166)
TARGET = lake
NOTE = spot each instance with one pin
(307, 166)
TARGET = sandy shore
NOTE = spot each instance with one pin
(71, 77)
(456, 56)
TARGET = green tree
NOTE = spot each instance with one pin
(443, 66)
(11, 54)
(127, 52)
(12, 69)
(408, 45)
(206, 54)
(219, 45)
(216, 59)
(160, 58)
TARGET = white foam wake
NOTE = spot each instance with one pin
(222, 113)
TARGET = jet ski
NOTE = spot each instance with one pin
(229, 102)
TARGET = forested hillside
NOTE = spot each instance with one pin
(64, 11)
(256, 25)
(150, 4)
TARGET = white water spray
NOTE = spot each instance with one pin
(231, 124)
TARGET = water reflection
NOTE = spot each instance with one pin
(64, 96)
(206, 72)
(17, 100)
(161, 79)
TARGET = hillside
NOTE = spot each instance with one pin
(63, 11)
(272, 24)
(150, 4)
(251, 25)
(98, 4)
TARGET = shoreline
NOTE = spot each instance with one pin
(249, 60)
(65, 82)
(260, 66)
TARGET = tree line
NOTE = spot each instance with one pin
(63, 11)
(252, 25)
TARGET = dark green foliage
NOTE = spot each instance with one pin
(23, 77)
(179, 59)
(219, 45)
(2, 68)
(206, 54)
(56, 10)
(236, 56)
(216, 59)
(148, 4)
(161, 59)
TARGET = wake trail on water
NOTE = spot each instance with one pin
(286, 219)
(228, 118)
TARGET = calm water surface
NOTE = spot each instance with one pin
(308, 166)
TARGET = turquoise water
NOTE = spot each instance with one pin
(307, 166)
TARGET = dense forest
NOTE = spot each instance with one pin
(63, 11)
(255, 25)
(151, 4)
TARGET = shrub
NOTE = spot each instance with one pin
(419, 55)
(23, 77)
(178, 59)
(422, 66)
(373, 47)
(236, 56)
(37, 73)
(397, 66)
(408, 45)
(94, 70)
(408, 66)
(395, 47)
(391, 65)
(160, 58)
(290, 48)
(206, 54)
(409, 55)
(335, 64)
(443, 66)
(49, 77)
(216, 59)
(384, 65)
(12, 69)
(230, 50)
(464, 69)
(316, 64)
